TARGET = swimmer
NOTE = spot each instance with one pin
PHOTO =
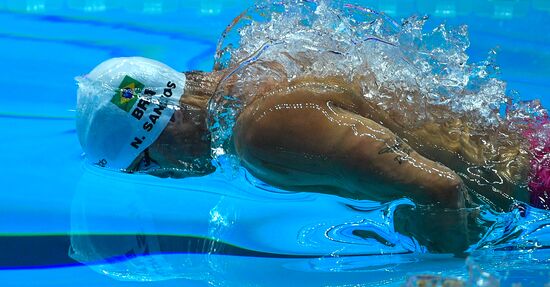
(278, 135)
(305, 134)
(338, 100)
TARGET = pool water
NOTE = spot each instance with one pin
(133, 230)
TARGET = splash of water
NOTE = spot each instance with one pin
(427, 74)
(282, 40)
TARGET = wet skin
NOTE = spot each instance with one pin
(313, 135)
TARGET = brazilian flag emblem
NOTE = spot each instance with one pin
(127, 94)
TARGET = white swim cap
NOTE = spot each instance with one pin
(123, 105)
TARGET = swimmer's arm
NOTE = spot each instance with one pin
(334, 146)
(425, 181)
(458, 142)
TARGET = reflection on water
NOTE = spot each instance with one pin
(134, 227)
(231, 212)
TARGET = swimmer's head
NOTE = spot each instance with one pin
(123, 106)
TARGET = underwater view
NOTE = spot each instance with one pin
(273, 143)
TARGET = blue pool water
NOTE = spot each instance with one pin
(134, 230)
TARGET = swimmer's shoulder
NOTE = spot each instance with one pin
(311, 89)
